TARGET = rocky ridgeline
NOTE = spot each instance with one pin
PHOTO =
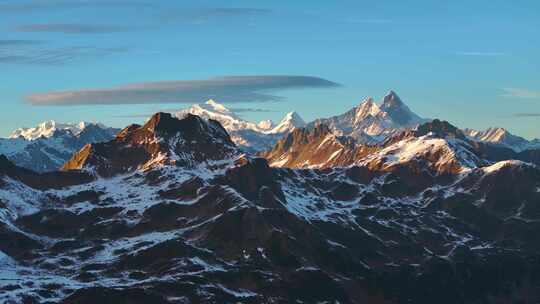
(172, 212)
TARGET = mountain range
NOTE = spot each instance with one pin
(249, 136)
(391, 208)
(48, 146)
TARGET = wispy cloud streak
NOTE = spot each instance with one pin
(370, 21)
(521, 93)
(480, 54)
(73, 28)
(18, 42)
(25, 6)
(215, 14)
(526, 115)
(54, 56)
(226, 89)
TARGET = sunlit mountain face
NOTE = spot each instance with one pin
(185, 152)
(178, 208)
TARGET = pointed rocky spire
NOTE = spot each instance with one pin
(398, 111)
(367, 107)
(291, 121)
(392, 100)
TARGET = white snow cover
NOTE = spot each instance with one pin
(46, 129)
(290, 122)
(505, 163)
(449, 151)
(232, 122)
(258, 136)
(371, 123)
(502, 137)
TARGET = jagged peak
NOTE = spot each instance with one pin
(217, 106)
(162, 140)
(440, 128)
(161, 122)
(295, 118)
(320, 129)
(292, 115)
(166, 124)
(290, 122)
(367, 107)
(392, 100)
(49, 128)
(398, 111)
(498, 135)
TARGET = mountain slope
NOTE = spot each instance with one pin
(318, 147)
(441, 148)
(192, 220)
(162, 140)
(47, 146)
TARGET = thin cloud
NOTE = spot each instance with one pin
(212, 14)
(251, 110)
(226, 89)
(526, 115)
(18, 42)
(480, 54)
(54, 56)
(73, 28)
(370, 21)
(25, 6)
(520, 93)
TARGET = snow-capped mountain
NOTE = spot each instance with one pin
(371, 123)
(290, 122)
(47, 129)
(172, 212)
(435, 146)
(47, 146)
(501, 136)
(252, 137)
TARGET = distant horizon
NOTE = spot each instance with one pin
(238, 111)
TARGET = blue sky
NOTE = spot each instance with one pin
(474, 63)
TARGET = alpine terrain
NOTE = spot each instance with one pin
(176, 211)
(249, 136)
(47, 146)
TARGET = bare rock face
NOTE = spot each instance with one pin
(184, 142)
(318, 147)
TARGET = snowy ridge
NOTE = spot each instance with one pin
(371, 123)
(48, 128)
(512, 163)
(248, 135)
(501, 136)
(442, 154)
(47, 146)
